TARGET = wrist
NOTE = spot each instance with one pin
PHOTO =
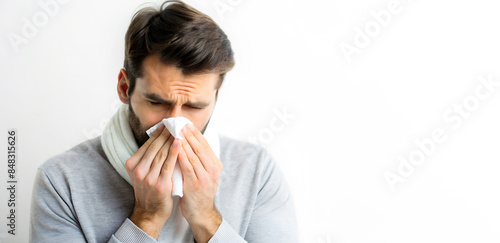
(150, 224)
(205, 227)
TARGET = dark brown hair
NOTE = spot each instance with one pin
(181, 36)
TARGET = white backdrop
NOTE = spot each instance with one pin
(383, 115)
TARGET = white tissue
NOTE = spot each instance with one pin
(174, 126)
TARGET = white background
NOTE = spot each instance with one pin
(351, 120)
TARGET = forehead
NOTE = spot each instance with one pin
(163, 78)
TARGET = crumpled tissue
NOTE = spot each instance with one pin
(174, 126)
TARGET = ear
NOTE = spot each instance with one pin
(123, 86)
(222, 84)
(218, 89)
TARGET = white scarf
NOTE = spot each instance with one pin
(119, 143)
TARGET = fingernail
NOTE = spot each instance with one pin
(161, 126)
(190, 126)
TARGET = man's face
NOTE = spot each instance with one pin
(163, 92)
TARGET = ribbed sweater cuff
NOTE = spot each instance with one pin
(225, 234)
(129, 232)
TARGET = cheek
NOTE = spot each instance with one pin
(200, 118)
(151, 118)
(147, 117)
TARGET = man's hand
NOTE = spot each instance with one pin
(150, 170)
(201, 171)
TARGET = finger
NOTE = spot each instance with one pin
(159, 160)
(188, 134)
(144, 165)
(187, 170)
(168, 166)
(132, 163)
(157, 133)
(198, 167)
(197, 134)
(199, 146)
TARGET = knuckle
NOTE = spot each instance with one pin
(148, 142)
(138, 173)
(161, 155)
(190, 170)
(214, 176)
(197, 150)
(203, 177)
(156, 160)
(150, 181)
(165, 168)
(159, 187)
(129, 165)
(154, 146)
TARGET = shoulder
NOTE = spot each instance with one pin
(240, 156)
(73, 157)
(251, 170)
(234, 149)
(85, 160)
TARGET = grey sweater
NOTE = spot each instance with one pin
(79, 197)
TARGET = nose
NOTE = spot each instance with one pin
(174, 111)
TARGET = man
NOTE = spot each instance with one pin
(118, 187)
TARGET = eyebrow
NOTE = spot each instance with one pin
(157, 98)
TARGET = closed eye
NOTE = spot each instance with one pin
(154, 103)
(192, 107)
